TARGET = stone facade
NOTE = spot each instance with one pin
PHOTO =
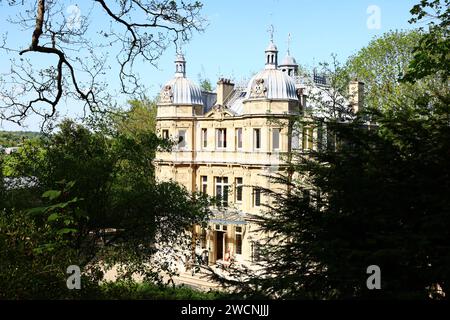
(228, 148)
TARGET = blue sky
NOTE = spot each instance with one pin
(233, 43)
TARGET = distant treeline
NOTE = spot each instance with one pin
(15, 138)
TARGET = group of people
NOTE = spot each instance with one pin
(202, 255)
(202, 258)
(229, 257)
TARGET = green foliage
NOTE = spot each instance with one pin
(16, 138)
(381, 64)
(35, 250)
(150, 291)
(380, 199)
(432, 53)
(205, 84)
(26, 160)
(110, 212)
(140, 118)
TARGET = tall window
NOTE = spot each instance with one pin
(257, 139)
(222, 190)
(204, 184)
(221, 138)
(276, 139)
(295, 141)
(204, 138)
(182, 138)
(238, 189)
(165, 134)
(239, 138)
(238, 240)
(256, 197)
(307, 138)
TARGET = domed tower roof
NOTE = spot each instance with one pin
(288, 61)
(271, 83)
(180, 90)
(271, 56)
(271, 47)
(289, 65)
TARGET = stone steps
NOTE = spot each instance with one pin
(199, 281)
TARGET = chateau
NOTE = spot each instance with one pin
(231, 140)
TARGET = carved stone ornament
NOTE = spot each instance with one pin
(167, 95)
(219, 112)
(259, 89)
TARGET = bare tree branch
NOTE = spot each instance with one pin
(141, 29)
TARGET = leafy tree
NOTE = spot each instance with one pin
(431, 55)
(140, 118)
(379, 198)
(381, 64)
(35, 250)
(2, 184)
(205, 84)
(123, 217)
(15, 138)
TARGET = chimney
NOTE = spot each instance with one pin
(224, 89)
(356, 95)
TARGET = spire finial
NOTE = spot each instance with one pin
(179, 46)
(289, 44)
(270, 30)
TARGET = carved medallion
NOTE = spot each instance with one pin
(259, 89)
(167, 94)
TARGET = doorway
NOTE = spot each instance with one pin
(219, 244)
